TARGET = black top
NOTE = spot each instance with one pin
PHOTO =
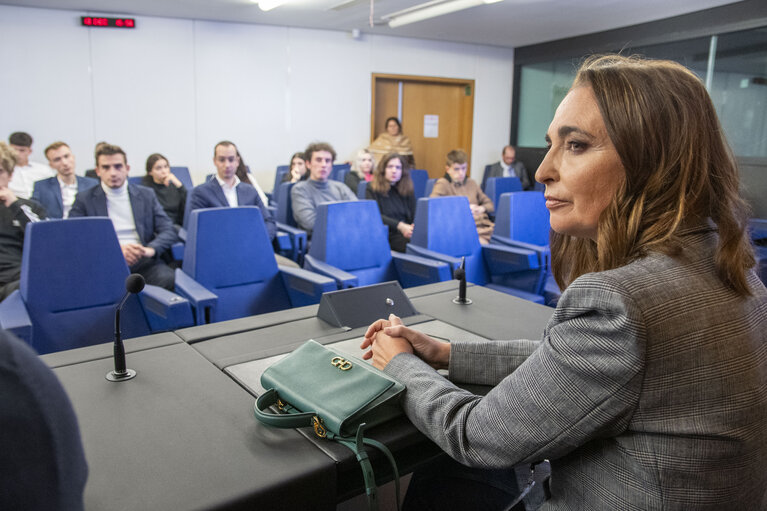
(171, 198)
(394, 209)
(352, 180)
(13, 220)
(43, 466)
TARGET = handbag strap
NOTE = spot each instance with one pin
(357, 446)
(281, 420)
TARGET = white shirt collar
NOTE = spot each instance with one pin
(226, 186)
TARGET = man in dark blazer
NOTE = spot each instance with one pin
(226, 190)
(143, 229)
(57, 194)
(509, 166)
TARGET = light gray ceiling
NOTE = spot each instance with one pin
(510, 23)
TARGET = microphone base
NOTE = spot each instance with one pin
(115, 376)
(465, 301)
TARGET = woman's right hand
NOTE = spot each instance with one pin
(433, 352)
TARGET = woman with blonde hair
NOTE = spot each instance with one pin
(362, 170)
(392, 188)
(648, 389)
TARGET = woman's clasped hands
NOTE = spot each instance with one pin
(388, 338)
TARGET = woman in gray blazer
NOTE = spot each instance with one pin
(648, 389)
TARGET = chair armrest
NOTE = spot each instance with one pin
(15, 318)
(417, 271)
(305, 287)
(165, 310)
(177, 250)
(282, 242)
(453, 262)
(202, 300)
(502, 259)
(503, 240)
(343, 279)
(182, 235)
(298, 240)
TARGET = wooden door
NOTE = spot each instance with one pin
(450, 100)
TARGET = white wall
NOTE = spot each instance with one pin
(179, 86)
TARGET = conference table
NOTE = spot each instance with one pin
(182, 434)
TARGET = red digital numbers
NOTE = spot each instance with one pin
(91, 21)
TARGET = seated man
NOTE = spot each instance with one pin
(43, 464)
(226, 189)
(306, 195)
(15, 213)
(509, 166)
(57, 194)
(143, 229)
(455, 182)
(26, 172)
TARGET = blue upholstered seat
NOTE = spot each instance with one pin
(522, 221)
(72, 277)
(496, 186)
(419, 177)
(229, 269)
(350, 244)
(445, 230)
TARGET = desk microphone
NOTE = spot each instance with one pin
(133, 284)
(460, 275)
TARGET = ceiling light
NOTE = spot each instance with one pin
(432, 10)
(268, 5)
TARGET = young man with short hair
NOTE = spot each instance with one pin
(143, 229)
(455, 182)
(306, 195)
(26, 172)
(57, 194)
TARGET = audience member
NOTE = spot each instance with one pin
(392, 141)
(57, 194)
(509, 166)
(226, 190)
(246, 176)
(26, 172)
(92, 172)
(455, 182)
(648, 388)
(362, 170)
(170, 192)
(143, 229)
(298, 171)
(15, 213)
(306, 195)
(43, 465)
(392, 189)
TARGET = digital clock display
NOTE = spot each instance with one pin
(93, 21)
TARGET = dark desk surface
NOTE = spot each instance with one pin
(182, 435)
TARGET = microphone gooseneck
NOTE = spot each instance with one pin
(133, 285)
(460, 275)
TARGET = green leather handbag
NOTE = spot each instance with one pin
(337, 395)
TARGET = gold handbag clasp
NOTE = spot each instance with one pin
(319, 428)
(341, 363)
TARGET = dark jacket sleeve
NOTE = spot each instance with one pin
(164, 233)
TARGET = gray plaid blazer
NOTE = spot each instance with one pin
(647, 391)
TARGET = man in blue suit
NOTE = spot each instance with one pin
(226, 190)
(57, 194)
(143, 229)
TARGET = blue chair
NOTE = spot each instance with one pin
(339, 171)
(758, 229)
(183, 175)
(419, 177)
(362, 187)
(350, 244)
(429, 186)
(229, 269)
(286, 224)
(72, 277)
(279, 174)
(522, 221)
(496, 186)
(445, 231)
